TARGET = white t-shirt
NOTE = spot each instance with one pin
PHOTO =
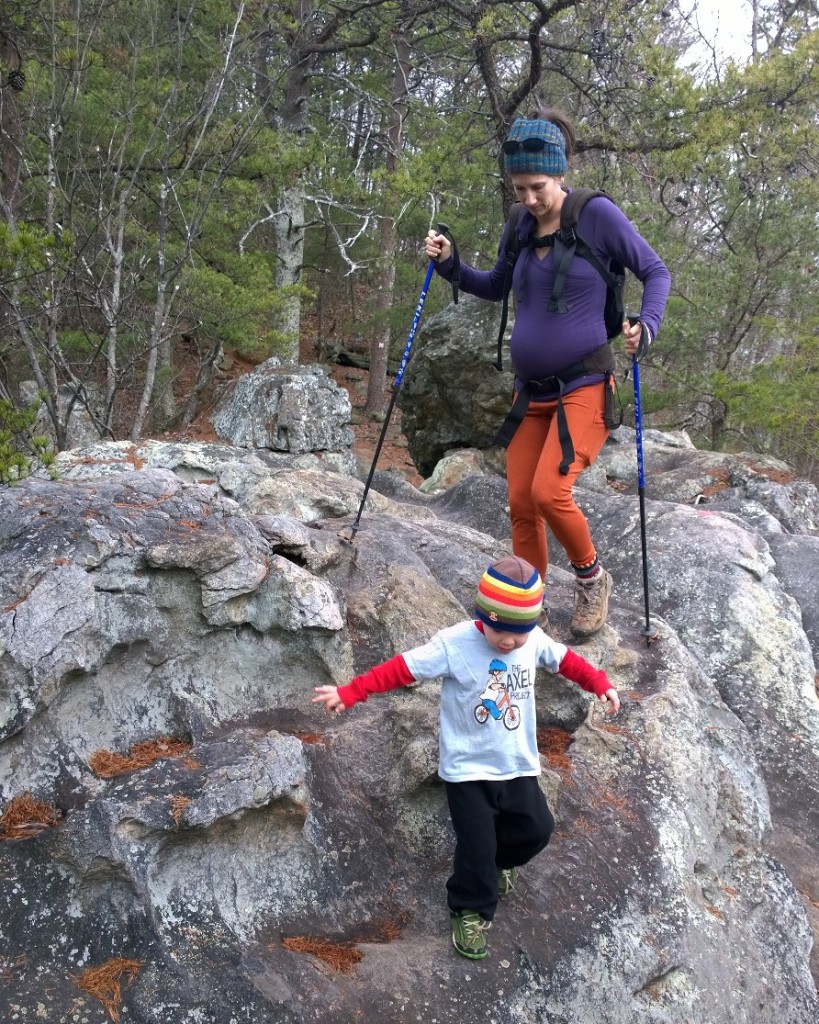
(487, 714)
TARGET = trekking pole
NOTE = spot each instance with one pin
(647, 631)
(442, 228)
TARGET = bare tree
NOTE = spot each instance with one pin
(380, 347)
(292, 42)
(122, 200)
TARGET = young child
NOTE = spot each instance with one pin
(488, 756)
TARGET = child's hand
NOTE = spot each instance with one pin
(612, 699)
(328, 696)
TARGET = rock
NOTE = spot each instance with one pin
(80, 427)
(453, 468)
(295, 409)
(451, 396)
(203, 592)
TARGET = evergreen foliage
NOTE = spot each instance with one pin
(192, 178)
(20, 449)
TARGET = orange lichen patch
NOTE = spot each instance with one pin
(715, 911)
(178, 805)
(553, 743)
(606, 797)
(89, 460)
(581, 826)
(141, 755)
(310, 737)
(632, 694)
(142, 506)
(190, 524)
(136, 460)
(340, 956)
(105, 982)
(192, 764)
(721, 483)
(777, 476)
(388, 932)
(617, 730)
(15, 604)
(25, 817)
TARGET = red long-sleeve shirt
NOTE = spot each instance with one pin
(392, 674)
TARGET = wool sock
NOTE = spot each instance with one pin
(586, 573)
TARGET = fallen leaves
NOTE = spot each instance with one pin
(142, 755)
(553, 743)
(340, 956)
(105, 982)
(25, 817)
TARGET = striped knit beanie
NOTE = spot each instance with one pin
(534, 147)
(510, 595)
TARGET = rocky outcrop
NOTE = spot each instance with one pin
(79, 422)
(291, 867)
(287, 409)
(453, 397)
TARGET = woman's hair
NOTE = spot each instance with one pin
(559, 118)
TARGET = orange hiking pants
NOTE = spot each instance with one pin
(538, 492)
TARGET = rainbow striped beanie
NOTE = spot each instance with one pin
(510, 595)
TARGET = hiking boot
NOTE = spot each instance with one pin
(591, 604)
(507, 880)
(468, 934)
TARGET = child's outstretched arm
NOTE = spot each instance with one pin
(592, 679)
(388, 676)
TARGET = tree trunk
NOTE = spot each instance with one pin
(309, 36)
(288, 230)
(158, 324)
(290, 117)
(380, 347)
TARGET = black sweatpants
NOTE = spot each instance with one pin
(497, 825)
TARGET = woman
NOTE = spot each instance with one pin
(545, 343)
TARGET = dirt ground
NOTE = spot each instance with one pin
(394, 454)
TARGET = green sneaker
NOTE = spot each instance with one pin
(507, 880)
(468, 936)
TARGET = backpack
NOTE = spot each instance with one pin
(566, 245)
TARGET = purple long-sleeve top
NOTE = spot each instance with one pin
(544, 343)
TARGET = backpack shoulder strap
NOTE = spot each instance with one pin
(510, 231)
(572, 207)
(511, 251)
(568, 244)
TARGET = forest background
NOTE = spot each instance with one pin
(184, 180)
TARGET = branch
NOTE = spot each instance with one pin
(271, 215)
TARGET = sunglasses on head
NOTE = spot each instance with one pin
(525, 145)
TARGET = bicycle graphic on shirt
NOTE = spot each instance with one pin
(495, 700)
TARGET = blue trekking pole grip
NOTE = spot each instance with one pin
(647, 631)
(395, 386)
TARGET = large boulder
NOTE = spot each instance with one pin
(452, 396)
(285, 866)
(80, 428)
(287, 409)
